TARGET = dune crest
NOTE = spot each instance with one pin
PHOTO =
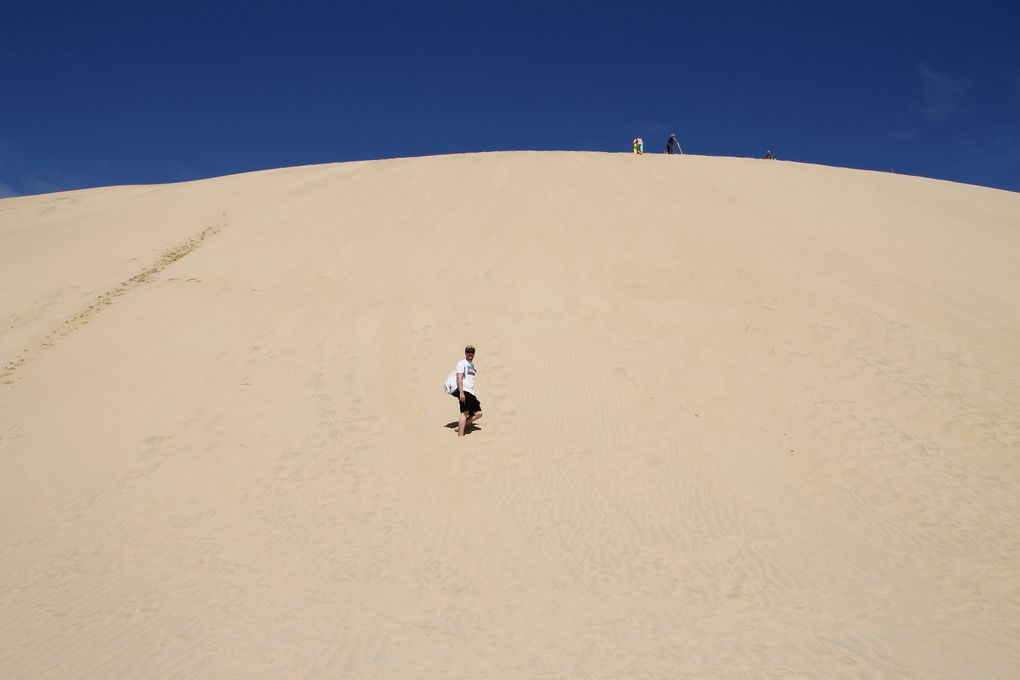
(744, 419)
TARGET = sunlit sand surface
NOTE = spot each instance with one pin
(743, 419)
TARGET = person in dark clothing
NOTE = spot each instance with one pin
(672, 144)
(769, 156)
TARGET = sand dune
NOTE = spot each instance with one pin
(743, 419)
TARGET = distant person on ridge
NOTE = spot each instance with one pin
(639, 146)
(470, 408)
(769, 156)
(672, 144)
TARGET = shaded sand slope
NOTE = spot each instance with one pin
(743, 419)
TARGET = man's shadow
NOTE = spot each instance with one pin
(468, 430)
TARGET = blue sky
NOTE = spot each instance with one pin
(101, 93)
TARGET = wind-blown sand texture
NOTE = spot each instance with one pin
(743, 419)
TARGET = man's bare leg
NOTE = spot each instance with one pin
(461, 424)
(472, 419)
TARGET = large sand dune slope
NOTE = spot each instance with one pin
(743, 419)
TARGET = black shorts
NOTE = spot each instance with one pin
(470, 404)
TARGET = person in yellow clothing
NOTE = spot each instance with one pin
(639, 145)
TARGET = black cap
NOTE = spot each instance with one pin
(469, 348)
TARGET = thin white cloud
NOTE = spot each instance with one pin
(994, 151)
(941, 95)
(906, 135)
(39, 185)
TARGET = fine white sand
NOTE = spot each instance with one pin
(743, 419)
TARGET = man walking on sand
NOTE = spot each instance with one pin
(470, 409)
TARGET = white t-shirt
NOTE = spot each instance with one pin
(468, 369)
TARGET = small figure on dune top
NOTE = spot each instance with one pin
(672, 145)
(639, 145)
(769, 156)
(470, 408)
